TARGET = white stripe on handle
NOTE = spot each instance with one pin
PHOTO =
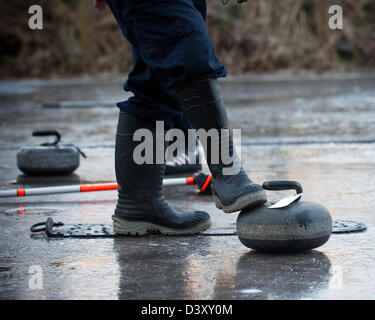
(52, 190)
(8, 193)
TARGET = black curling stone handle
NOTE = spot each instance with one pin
(278, 185)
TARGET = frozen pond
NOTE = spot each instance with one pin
(318, 130)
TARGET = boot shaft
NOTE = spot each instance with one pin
(141, 206)
(140, 181)
(203, 104)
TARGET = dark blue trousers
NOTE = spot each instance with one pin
(171, 45)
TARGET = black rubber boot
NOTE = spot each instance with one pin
(203, 104)
(141, 207)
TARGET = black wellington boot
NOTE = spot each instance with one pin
(141, 207)
(203, 104)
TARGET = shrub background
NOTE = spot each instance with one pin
(258, 36)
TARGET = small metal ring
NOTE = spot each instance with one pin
(47, 227)
(34, 227)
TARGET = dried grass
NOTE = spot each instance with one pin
(259, 36)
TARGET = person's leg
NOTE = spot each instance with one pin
(181, 51)
(172, 39)
(232, 188)
(160, 103)
(201, 6)
(151, 100)
(188, 160)
(141, 207)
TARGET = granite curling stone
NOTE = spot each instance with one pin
(48, 158)
(297, 226)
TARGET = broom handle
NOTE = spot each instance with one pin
(84, 188)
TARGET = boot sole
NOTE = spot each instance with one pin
(246, 201)
(141, 228)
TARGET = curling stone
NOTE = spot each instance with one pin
(289, 225)
(49, 158)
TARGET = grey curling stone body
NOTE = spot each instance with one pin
(45, 160)
(298, 227)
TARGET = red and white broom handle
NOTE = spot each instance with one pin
(200, 179)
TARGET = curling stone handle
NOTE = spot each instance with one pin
(282, 185)
(43, 133)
